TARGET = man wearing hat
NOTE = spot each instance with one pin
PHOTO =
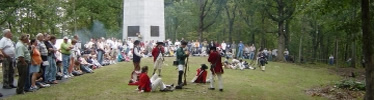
(216, 68)
(65, 51)
(157, 53)
(181, 56)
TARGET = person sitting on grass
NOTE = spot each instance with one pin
(59, 68)
(145, 84)
(84, 66)
(39, 81)
(236, 63)
(95, 61)
(201, 74)
(226, 63)
(77, 69)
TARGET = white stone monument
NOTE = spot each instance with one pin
(145, 17)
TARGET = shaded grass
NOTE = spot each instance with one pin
(280, 81)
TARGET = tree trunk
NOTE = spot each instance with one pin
(353, 55)
(200, 27)
(300, 49)
(368, 48)
(281, 48)
(336, 61)
(286, 33)
(315, 46)
(230, 29)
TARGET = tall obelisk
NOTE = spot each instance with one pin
(145, 17)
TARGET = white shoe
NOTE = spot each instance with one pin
(45, 85)
(71, 75)
(65, 76)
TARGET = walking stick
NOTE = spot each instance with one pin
(186, 67)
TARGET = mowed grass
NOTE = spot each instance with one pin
(280, 81)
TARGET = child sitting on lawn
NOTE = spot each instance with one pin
(201, 75)
(59, 74)
(77, 68)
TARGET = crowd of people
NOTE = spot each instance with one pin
(39, 62)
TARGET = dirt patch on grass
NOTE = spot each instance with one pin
(356, 73)
(333, 92)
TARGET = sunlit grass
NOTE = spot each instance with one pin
(280, 81)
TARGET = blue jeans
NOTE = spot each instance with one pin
(269, 57)
(100, 57)
(252, 55)
(286, 57)
(51, 70)
(330, 61)
(66, 60)
(240, 53)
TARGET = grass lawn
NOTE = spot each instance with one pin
(280, 81)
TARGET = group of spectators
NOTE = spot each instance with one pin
(41, 62)
(196, 48)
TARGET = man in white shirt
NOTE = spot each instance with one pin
(7, 53)
(224, 46)
(100, 45)
(177, 43)
(252, 51)
(286, 54)
(90, 43)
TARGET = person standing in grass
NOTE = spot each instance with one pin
(42, 48)
(216, 68)
(36, 60)
(262, 60)
(234, 48)
(181, 56)
(73, 57)
(137, 55)
(157, 53)
(7, 53)
(65, 51)
(51, 71)
(240, 50)
(23, 60)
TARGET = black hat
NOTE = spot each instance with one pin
(204, 66)
(213, 48)
(183, 43)
(159, 43)
(136, 42)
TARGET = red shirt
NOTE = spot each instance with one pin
(202, 77)
(216, 58)
(144, 83)
(155, 52)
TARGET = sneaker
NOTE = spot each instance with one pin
(45, 85)
(34, 88)
(71, 75)
(65, 76)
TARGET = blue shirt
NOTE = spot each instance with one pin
(240, 46)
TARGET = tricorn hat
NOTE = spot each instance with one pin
(213, 48)
(159, 43)
(183, 42)
(204, 66)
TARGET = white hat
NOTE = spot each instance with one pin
(65, 37)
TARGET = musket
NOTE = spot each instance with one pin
(186, 67)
